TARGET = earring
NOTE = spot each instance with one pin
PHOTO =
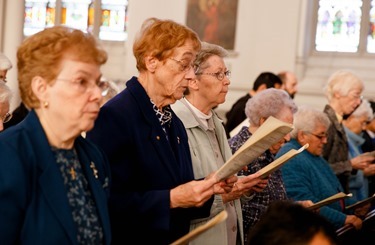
(45, 104)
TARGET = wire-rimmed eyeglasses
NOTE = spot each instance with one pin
(219, 75)
(184, 66)
(84, 85)
(6, 118)
(320, 137)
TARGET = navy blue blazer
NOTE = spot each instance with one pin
(34, 207)
(145, 166)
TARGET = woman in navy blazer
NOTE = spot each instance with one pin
(154, 192)
(54, 183)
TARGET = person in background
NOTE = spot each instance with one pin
(353, 126)
(287, 223)
(369, 132)
(54, 184)
(111, 90)
(5, 66)
(269, 102)
(5, 97)
(344, 93)
(290, 82)
(17, 115)
(236, 115)
(208, 142)
(154, 190)
(369, 145)
(308, 175)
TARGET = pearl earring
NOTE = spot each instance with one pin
(45, 104)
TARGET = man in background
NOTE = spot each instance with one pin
(236, 115)
(290, 82)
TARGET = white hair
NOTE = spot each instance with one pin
(5, 93)
(307, 119)
(364, 109)
(5, 63)
(342, 82)
(266, 103)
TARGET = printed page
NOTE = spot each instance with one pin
(199, 230)
(279, 162)
(268, 134)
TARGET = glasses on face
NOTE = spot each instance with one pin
(356, 96)
(320, 137)
(184, 65)
(84, 85)
(3, 79)
(219, 75)
(6, 118)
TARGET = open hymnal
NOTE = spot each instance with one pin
(268, 134)
(329, 200)
(361, 203)
(200, 229)
(279, 162)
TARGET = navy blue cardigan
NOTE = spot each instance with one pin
(34, 207)
(145, 167)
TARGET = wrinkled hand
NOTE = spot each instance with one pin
(370, 170)
(361, 161)
(354, 221)
(245, 185)
(192, 194)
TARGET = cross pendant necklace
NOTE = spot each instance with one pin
(72, 173)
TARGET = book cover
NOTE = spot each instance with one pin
(330, 200)
(361, 203)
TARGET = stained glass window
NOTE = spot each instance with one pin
(75, 13)
(338, 27)
(39, 14)
(114, 20)
(371, 32)
(105, 18)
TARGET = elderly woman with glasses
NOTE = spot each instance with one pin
(269, 102)
(154, 189)
(5, 96)
(54, 183)
(308, 175)
(208, 143)
(344, 93)
(353, 126)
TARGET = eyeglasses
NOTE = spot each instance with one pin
(320, 137)
(219, 75)
(3, 79)
(184, 66)
(84, 85)
(356, 97)
(6, 118)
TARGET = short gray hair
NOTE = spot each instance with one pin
(364, 109)
(208, 50)
(5, 63)
(342, 82)
(307, 119)
(5, 93)
(266, 103)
